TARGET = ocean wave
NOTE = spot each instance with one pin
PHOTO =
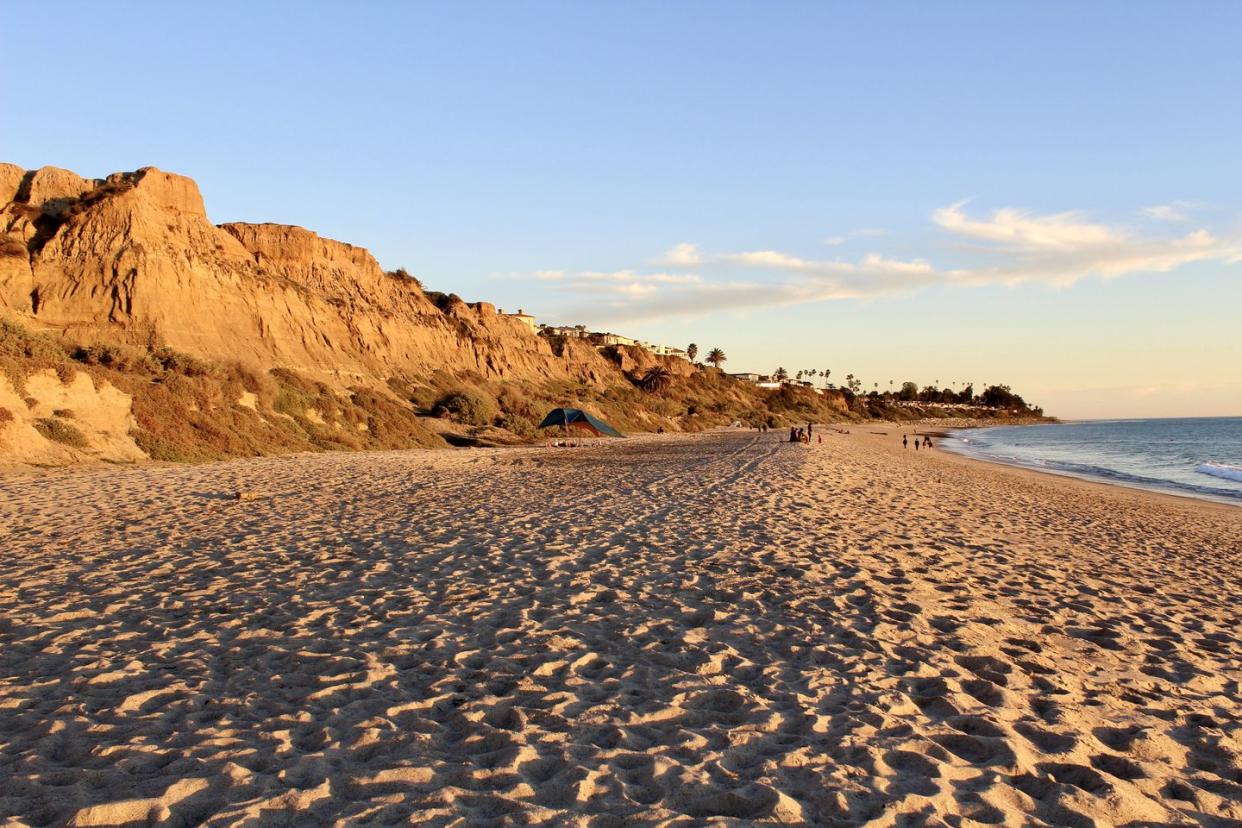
(1221, 470)
(1155, 462)
(1102, 471)
(1116, 476)
(1105, 474)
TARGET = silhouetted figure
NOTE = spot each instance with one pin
(793, 434)
(905, 443)
(927, 442)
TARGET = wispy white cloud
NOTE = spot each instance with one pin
(1006, 247)
(681, 255)
(864, 232)
(1024, 232)
(1176, 211)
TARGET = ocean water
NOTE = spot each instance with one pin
(1199, 457)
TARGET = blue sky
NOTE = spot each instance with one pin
(1045, 194)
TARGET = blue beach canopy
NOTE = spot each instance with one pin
(577, 418)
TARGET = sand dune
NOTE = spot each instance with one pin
(661, 631)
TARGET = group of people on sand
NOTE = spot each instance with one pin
(927, 443)
(803, 435)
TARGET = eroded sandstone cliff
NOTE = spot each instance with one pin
(132, 327)
(133, 258)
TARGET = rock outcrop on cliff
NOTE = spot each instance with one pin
(134, 259)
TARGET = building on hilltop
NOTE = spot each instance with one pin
(567, 331)
(760, 380)
(522, 317)
(667, 350)
(603, 340)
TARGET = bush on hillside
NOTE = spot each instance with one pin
(405, 277)
(171, 360)
(389, 423)
(519, 414)
(60, 432)
(23, 353)
(468, 406)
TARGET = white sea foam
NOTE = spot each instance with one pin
(1221, 470)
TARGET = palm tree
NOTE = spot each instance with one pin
(692, 351)
(716, 356)
(780, 375)
(799, 376)
(656, 380)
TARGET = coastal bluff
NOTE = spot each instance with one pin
(133, 258)
(132, 327)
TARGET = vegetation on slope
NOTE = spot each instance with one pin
(187, 409)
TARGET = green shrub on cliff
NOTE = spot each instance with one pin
(59, 431)
(467, 405)
(23, 353)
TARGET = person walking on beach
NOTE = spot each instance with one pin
(927, 442)
(916, 442)
(905, 443)
(793, 434)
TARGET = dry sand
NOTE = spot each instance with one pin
(661, 631)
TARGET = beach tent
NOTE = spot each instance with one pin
(576, 418)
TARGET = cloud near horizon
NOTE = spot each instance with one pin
(1008, 247)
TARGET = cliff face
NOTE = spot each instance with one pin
(134, 259)
(133, 327)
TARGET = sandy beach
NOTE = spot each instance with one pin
(658, 631)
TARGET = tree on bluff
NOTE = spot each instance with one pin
(657, 380)
(1000, 396)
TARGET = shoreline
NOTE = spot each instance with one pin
(1070, 482)
(953, 445)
